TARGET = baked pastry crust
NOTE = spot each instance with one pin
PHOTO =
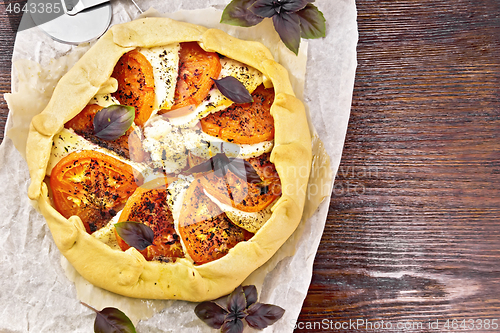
(128, 273)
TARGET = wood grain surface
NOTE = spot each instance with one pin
(412, 240)
(413, 232)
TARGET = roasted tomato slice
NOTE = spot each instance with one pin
(244, 196)
(149, 206)
(247, 123)
(196, 70)
(207, 232)
(136, 86)
(128, 145)
(91, 185)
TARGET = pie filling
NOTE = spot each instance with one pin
(156, 173)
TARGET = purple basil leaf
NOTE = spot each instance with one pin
(312, 22)
(135, 234)
(112, 122)
(264, 189)
(233, 89)
(244, 170)
(235, 326)
(294, 5)
(288, 27)
(206, 166)
(237, 13)
(265, 8)
(221, 301)
(252, 175)
(111, 320)
(237, 302)
(237, 167)
(250, 294)
(218, 164)
(262, 315)
(211, 314)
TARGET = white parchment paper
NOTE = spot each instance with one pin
(36, 290)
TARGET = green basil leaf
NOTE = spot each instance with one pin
(262, 315)
(111, 320)
(112, 122)
(233, 89)
(312, 22)
(288, 27)
(237, 13)
(135, 234)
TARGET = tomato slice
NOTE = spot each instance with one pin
(247, 123)
(136, 86)
(128, 145)
(149, 206)
(207, 232)
(196, 70)
(91, 185)
(247, 197)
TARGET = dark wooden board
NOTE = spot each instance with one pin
(412, 238)
(413, 232)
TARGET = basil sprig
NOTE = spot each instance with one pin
(112, 122)
(292, 19)
(227, 313)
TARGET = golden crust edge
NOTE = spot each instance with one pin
(70, 96)
(159, 31)
(127, 273)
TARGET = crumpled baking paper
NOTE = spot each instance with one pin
(41, 292)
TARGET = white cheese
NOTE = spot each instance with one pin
(204, 145)
(107, 234)
(176, 191)
(165, 144)
(169, 145)
(165, 63)
(104, 100)
(250, 221)
(66, 142)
